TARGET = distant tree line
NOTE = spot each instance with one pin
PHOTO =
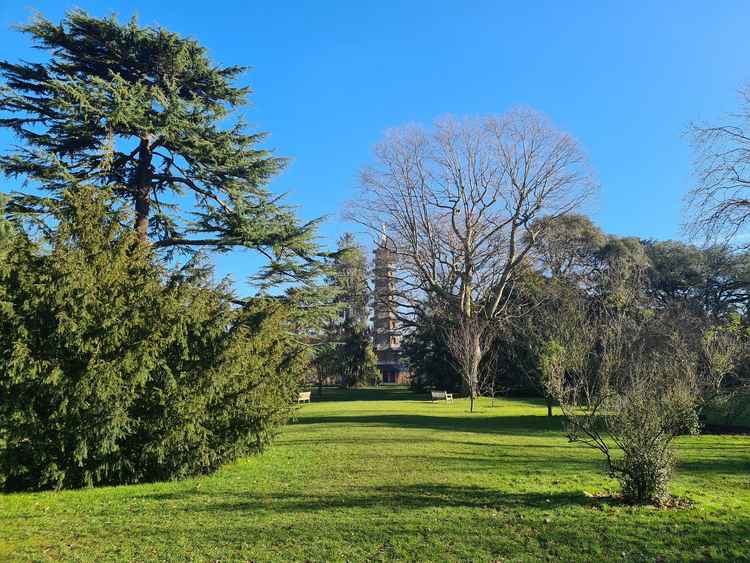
(710, 284)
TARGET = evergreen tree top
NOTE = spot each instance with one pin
(144, 112)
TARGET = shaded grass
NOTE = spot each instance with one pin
(386, 475)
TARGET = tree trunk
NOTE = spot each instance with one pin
(549, 408)
(142, 189)
(476, 359)
(142, 209)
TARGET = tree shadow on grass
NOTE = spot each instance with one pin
(387, 497)
(340, 394)
(734, 465)
(513, 425)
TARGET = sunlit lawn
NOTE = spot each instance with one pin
(380, 475)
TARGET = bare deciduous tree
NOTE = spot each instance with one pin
(467, 340)
(720, 201)
(458, 205)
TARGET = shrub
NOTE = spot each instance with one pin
(115, 369)
(627, 387)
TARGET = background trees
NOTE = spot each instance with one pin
(429, 358)
(459, 205)
(357, 363)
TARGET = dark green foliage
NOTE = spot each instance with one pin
(356, 358)
(344, 351)
(521, 345)
(144, 113)
(713, 280)
(5, 227)
(349, 277)
(429, 358)
(116, 370)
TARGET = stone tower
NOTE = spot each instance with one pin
(386, 337)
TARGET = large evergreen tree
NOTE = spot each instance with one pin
(145, 113)
(343, 347)
(116, 369)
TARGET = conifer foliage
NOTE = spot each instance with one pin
(117, 370)
(144, 112)
(116, 365)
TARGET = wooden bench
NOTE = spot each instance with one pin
(440, 395)
(304, 397)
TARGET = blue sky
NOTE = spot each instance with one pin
(625, 78)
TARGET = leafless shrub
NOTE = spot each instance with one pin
(468, 339)
(627, 386)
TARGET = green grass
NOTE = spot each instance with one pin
(384, 475)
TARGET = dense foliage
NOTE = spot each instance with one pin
(116, 365)
(429, 358)
(116, 369)
(344, 351)
(145, 113)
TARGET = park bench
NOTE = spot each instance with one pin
(304, 397)
(440, 395)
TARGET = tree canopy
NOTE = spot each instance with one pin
(145, 113)
(116, 369)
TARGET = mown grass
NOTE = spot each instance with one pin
(386, 475)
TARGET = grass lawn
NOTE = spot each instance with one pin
(382, 475)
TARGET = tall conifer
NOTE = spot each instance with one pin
(146, 113)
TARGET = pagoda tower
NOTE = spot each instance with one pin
(386, 336)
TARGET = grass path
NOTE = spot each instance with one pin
(385, 475)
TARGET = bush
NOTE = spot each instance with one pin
(627, 387)
(114, 369)
(658, 402)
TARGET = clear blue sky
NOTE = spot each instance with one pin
(625, 78)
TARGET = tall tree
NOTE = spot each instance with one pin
(145, 113)
(343, 347)
(568, 246)
(720, 199)
(460, 206)
(349, 277)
